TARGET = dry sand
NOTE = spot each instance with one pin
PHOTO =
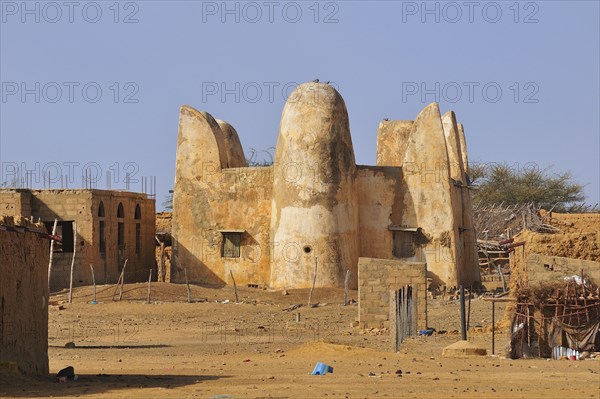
(255, 349)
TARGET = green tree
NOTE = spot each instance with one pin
(499, 183)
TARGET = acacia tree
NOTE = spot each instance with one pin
(502, 182)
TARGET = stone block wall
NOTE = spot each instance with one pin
(83, 208)
(24, 300)
(16, 202)
(378, 278)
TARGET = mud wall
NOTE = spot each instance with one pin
(466, 256)
(380, 201)
(434, 195)
(237, 199)
(544, 269)
(315, 205)
(24, 301)
(322, 205)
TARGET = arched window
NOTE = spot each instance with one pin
(120, 228)
(138, 229)
(101, 229)
(138, 238)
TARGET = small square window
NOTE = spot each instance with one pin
(231, 245)
(406, 246)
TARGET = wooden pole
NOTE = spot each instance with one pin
(93, 282)
(314, 281)
(463, 321)
(149, 279)
(122, 280)
(161, 263)
(346, 287)
(234, 287)
(189, 292)
(51, 252)
(469, 307)
(493, 327)
(117, 286)
(398, 319)
(587, 314)
(73, 261)
(493, 301)
(121, 277)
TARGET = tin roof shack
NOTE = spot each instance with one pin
(557, 313)
(105, 227)
(24, 251)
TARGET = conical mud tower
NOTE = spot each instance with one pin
(315, 209)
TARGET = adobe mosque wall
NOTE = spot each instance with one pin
(270, 225)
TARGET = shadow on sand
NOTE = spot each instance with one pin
(90, 384)
(113, 346)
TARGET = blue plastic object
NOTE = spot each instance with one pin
(322, 369)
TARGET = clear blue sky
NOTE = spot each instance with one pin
(388, 59)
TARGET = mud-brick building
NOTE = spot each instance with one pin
(270, 225)
(24, 253)
(111, 227)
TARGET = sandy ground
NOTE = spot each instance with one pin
(255, 349)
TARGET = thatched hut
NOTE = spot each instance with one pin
(557, 311)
